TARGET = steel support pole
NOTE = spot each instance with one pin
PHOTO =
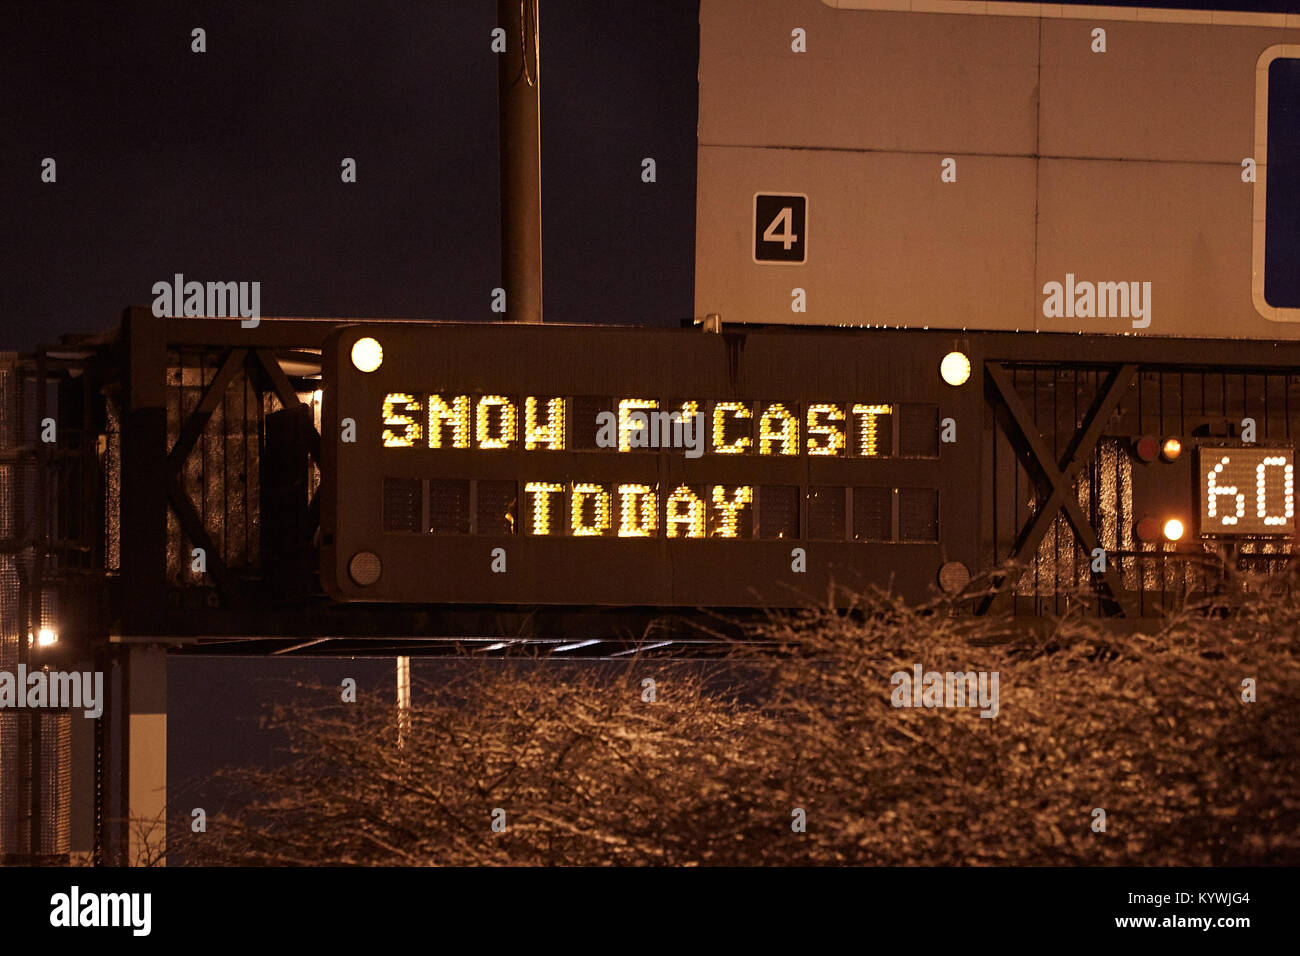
(145, 690)
(519, 109)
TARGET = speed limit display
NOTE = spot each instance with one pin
(1247, 490)
(781, 228)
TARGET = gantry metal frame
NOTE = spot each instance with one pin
(1058, 478)
(135, 370)
(112, 613)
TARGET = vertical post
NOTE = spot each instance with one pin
(34, 825)
(145, 688)
(403, 700)
(519, 111)
(36, 594)
(120, 839)
(143, 549)
(143, 508)
(103, 838)
(82, 784)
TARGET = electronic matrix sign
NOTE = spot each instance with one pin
(514, 464)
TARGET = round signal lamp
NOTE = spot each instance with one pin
(365, 568)
(955, 368)
(954, 577)
(367, 354)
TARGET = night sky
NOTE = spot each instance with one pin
(225, 165)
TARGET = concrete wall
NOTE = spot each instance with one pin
(1117, 166)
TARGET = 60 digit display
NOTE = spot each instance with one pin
(1247, 490)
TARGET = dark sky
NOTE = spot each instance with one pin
(225, 165)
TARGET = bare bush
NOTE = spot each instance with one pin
(1150, 728)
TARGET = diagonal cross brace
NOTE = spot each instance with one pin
(191, 431)
(198, 419)
(227, 585)
(180, 501)
(1060, 477)
(288, 397)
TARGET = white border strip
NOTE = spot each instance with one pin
(1057, 11)
(1261, 185)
